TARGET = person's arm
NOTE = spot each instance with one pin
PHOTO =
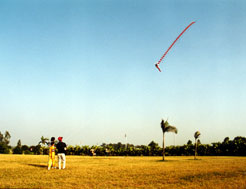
(65, 146)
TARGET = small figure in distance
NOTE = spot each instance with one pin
(62, 147)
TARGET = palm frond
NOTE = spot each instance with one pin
(163, 125)
(171, 129)
(197, 134)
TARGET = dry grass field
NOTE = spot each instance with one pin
(30, 171)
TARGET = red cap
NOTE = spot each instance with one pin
(60, 138)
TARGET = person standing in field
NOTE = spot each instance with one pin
(52, 154)
(62, 147)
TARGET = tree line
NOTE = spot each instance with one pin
(235, 147)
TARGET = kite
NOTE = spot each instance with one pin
(157, 64)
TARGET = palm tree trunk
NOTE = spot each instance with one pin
(195, 149)
(163, 147)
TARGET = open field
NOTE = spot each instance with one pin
(30, 171)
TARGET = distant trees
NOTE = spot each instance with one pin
(36, 149)
(25, 149)
(166, 128)
(227, 147)
(17, 149)
(154, 148)
(22, 149)
(235, 147)
(4, 143)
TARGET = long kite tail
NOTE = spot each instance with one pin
(172, 45)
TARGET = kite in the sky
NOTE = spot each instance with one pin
(157, 64)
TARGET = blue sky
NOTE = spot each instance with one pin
(85, 70)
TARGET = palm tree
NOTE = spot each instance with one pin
(196, 135)
(43, 141)
(166, 128)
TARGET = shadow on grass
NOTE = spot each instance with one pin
(166, 160)
(38, 165)
(194, 159)
(177, 160)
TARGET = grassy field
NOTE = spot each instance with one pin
(30, 171)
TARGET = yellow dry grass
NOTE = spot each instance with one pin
(30, 171)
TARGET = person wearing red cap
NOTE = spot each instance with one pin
(61, 147)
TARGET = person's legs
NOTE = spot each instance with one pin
(64, 161)
(53, 163)
(59, 160)
(50, 163)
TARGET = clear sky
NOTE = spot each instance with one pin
(85, 70)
